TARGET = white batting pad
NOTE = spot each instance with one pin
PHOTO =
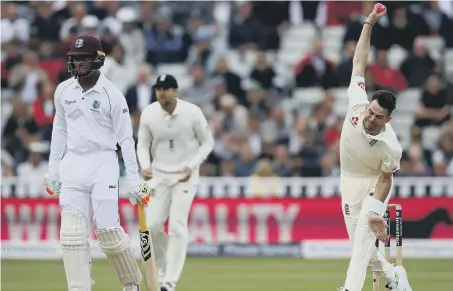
(115, 244)
(75, 248)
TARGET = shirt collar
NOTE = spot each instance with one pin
(177, 110)
(380, 136)
(97, 87)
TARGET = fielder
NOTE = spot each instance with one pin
(180, 140)
(91, 118)
(369, 153)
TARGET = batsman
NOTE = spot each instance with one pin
(369, 153)
(91, 118)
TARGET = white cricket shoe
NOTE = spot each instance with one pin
(403, 282)
(341, 289)
(167, 287)
(131, 287)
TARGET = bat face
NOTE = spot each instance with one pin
(149, 268)
(145, 245)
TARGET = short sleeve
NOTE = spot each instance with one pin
(391, 159)
(356, 92)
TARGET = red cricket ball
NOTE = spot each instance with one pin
(379, 7)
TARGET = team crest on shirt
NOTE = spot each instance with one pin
(96, 104)
(372, 143)
(361, 85)
(354, 121)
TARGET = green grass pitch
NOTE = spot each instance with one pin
(230, 274)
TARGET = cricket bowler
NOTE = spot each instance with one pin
(176, 135)
(369, 153)
(91, 118)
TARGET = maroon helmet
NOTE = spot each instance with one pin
(88, 46)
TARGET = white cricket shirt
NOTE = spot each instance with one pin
(362, 154)
(92, 121)
(177, 140)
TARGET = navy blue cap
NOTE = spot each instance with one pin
(166, 82)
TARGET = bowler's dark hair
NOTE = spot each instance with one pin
(385, 99)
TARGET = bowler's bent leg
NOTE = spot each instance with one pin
(363, 250)
(156, 214)
(182, 196)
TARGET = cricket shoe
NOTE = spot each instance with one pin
(168, 287)
(132, 287)
(402, 283)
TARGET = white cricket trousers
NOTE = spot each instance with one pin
(172, 203)
(356, 193)
(90, 182)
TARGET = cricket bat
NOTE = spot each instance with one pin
(149, 268)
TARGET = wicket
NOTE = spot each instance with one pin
(398, 239)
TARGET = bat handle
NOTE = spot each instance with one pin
(141, 217)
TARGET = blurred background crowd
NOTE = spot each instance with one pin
(271, 77)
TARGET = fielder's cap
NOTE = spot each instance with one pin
(166, 82)
(85, 45)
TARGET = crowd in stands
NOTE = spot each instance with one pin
(257, 131)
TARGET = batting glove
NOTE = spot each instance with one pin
(52, 184)
(140, 193)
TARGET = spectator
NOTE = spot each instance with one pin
(262, 72)
(7, 166)
(14, 27)
(328, 165)
(246, 162)
(402, 33)
(142, 93)
(233, 116)
(109, 16)
(195, 24)
(438, 22)
(44, 110)
(434, 109)
(18, 130)
(443, 157)
(417, 140)
(131, 37)
(232, 81)
(200, 92)
(26, 77)
(281, 165)
(416, 160)
(315, 70)
(257, 100)
(274, 15)
(277, 127)
(12, 58)
(44, 27)
(108, 40)
(379, 38)
(345, 66)
(78, 12)
(263, 188)
(163, 43)
(90, 25)
(118, 69)
(418, 65)
(32, 171)
(227, 168)
(201, 51)
(370, 83)
(386, 76)
(246, 32)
